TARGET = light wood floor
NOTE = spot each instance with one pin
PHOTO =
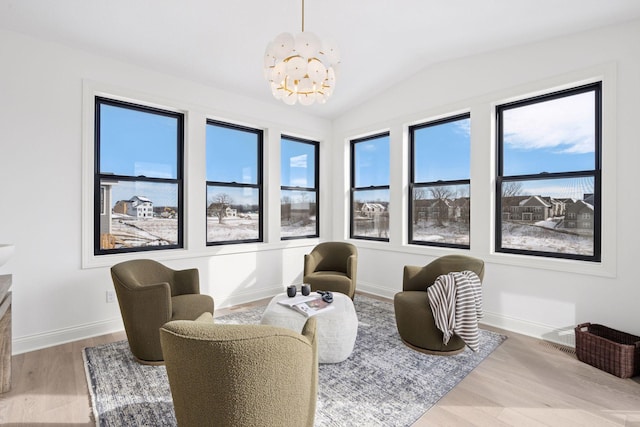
(525, 382)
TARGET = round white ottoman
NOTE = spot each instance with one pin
(336, 328)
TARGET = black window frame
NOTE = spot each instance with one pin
(98, 176)
(315, 189)
(354, 189)
(232, 184)
(413, 185)
(596, 173)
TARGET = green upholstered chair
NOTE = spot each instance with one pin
(241, 375)
(414, 317)
(332, 266)
(151, 294)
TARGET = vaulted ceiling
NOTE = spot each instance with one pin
(382, 42)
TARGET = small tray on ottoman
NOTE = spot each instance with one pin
(608, 349)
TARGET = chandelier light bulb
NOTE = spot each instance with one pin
(301, 68)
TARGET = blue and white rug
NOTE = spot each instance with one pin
(382, 383)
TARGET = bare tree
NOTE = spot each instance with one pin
(218, 206)
(441, 194)
(303, 197)
(511, 188)
(418, 195)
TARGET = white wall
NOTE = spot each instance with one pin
(526, 294)
(42, 90)
(41, 151)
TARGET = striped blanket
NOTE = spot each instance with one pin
(456, 303)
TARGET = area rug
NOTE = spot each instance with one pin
(383, 383)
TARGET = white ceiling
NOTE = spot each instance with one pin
(221, 43)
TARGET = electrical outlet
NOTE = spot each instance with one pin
(111, 296)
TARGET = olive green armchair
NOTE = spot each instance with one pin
(151, 294)
(332, 266)
(241, 375)
(414, 317)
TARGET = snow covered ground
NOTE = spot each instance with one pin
(232, 229)
(428, 231)
(535, 238)
(132, 232)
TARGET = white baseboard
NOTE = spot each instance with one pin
(563, 336)
(62, 336)
(376, 290)
(224, 301)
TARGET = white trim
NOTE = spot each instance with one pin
(65, 335)
(238, 298)
(89, 330)
(194, 174)
(482, 109)
(373, 289)
(90, 90)
(607, 74)
(564, 336)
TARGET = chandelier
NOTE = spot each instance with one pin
(301, 68)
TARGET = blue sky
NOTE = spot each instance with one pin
(552, 136)
(372, 162)
(297, 160)
(232, 155)
(137, 143)
(442, 152)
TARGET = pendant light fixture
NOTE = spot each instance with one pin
(301, 68)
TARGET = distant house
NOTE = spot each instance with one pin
(509, 206)
(371, 209)
(137, 206)
(579, 215)
(533, 208)
(462, 209)
(441, 209)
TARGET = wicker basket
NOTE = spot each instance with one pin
(612, 351)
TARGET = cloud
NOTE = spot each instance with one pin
(463, 126)
(298, 161)
(564, 125)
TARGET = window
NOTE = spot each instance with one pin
(299, 188)
(370, 188)
(439, 185)
(138, 178)
(234, 184)
(549, 159)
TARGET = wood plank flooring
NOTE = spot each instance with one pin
(525, 382)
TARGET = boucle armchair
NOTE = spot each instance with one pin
(332, 266)
(414, 317)
(241, 375)
(151, 294)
